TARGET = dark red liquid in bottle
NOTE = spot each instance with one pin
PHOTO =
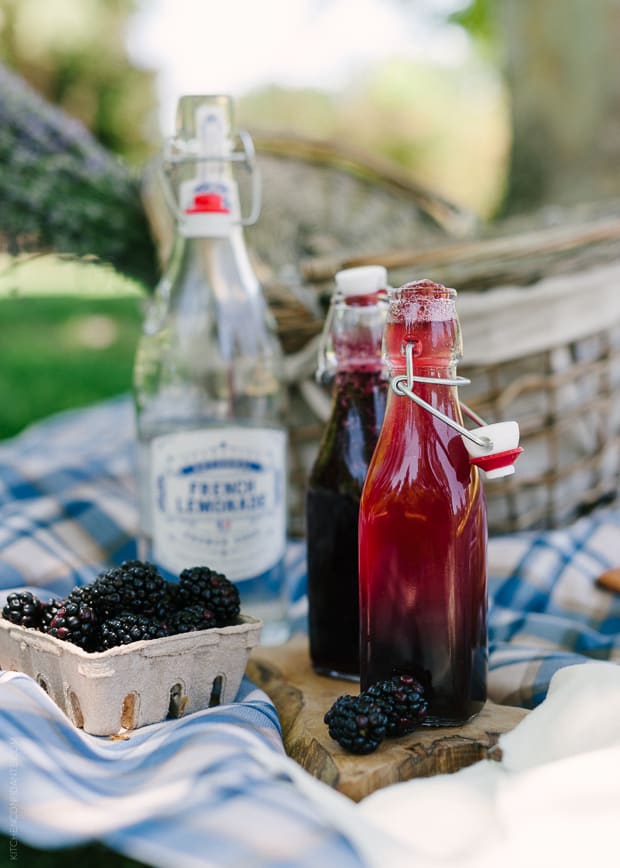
(422, 531)
(332, 509)
(335, 487)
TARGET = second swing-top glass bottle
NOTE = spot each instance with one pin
(350, 352)
(208, 389)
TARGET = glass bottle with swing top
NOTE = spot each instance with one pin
(207, 383)
(350, 354)
(423, 528)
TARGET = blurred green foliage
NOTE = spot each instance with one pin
(62, 186)
(61, 190)
(478, 18)
(73, 54)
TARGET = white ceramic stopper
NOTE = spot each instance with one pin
(503, 438)
(361, 281)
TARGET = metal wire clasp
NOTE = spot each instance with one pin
(247, 157)
(403, 386)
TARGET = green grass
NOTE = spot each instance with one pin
(68, 333)
(58, 352)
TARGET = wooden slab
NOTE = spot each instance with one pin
(302, 698)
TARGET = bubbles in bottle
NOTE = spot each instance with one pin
(422, 301)
(422, 313)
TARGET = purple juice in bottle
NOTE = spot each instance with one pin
(423, 531)
(337, 477)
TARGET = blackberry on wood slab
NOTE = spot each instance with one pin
(402, 700)
(356, 723)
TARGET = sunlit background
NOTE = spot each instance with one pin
(399, 78)
(402, 79)
(501, 107)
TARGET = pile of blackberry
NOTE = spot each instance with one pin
(389, 708)
(130, 603)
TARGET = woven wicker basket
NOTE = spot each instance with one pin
(546, 353)
(539, 304)
(549, 356)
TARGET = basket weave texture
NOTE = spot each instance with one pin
(539, 301)
(565, 400)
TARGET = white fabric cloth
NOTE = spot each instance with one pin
(553, 800)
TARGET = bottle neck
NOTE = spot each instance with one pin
(219, 265)
(352, 338)
(425, 352)
(211, 290)
(406, 421)
(358, 406)
(422, 329)
(433, 381)
(356, 386)
(351, 433)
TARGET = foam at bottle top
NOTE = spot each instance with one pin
(422, 301)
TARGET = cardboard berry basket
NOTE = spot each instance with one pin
(129, 686)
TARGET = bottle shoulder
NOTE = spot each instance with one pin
(208, 350)
(212, 430)
(419, 458)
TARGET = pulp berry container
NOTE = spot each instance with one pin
(129, 686)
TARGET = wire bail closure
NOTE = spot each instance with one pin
(246, 156)
(403, 386)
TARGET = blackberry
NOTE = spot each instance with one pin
(190, 619)
(135, 586)
(402, 700)
(129, 627)
(74, 622)
(83, 594)
(212, 590)
(356, 723)
(23, 608)
(50, 610)
(133, 563)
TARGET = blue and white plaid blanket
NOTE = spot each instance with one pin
(215, 788)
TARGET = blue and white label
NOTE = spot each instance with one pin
(219, 499)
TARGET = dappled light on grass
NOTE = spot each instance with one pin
(67, 275)
(59, 352)
(94, 331)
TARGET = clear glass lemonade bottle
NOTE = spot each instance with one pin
(207, 384)
(423, 532)
(350, 352)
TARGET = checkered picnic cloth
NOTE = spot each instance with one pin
(546, 609)
(215, 788)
